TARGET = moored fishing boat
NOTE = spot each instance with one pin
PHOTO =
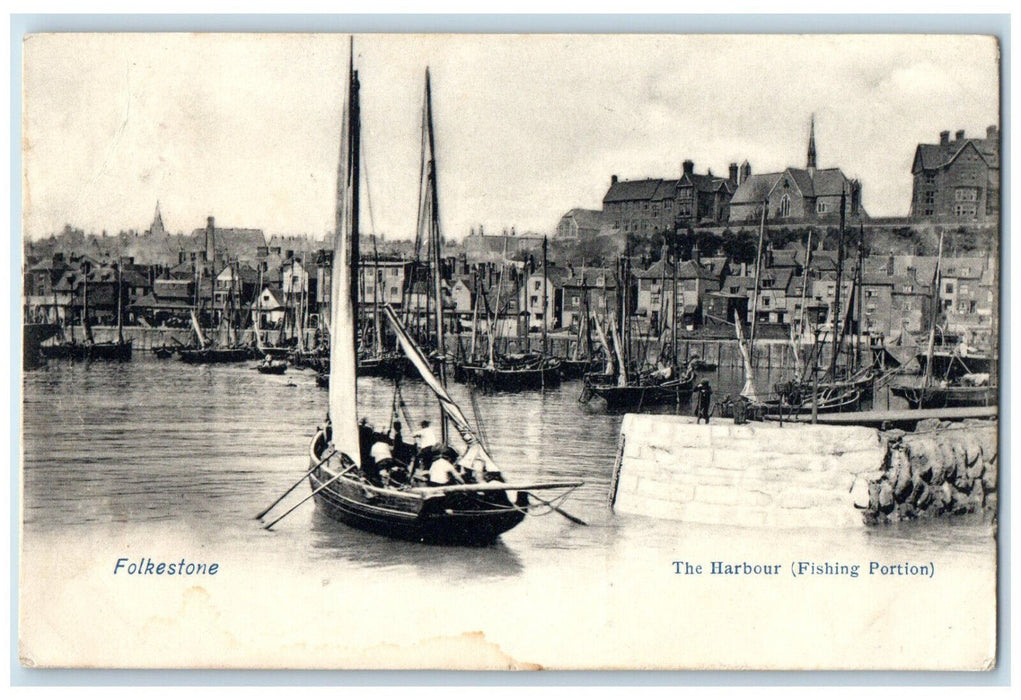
(473, 512)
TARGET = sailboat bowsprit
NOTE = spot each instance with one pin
(344, 484)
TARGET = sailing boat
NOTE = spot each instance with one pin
(119, 349)
(582, 360)
(629, 388)
(475, 512)
(376, 361)
(840, 388)
(210, 354)
(950, 387)
(519, 372)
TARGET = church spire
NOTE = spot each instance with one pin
(157, 222)
(811, 146)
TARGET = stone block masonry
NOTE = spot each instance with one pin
(799, 475)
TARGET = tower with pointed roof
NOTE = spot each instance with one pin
(811, 147)
(157, 222)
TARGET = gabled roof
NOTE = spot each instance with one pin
(589, 277)
(627, 190)
(587, 218)
(931, 156)
(755, 188)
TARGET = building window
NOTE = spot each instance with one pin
(821, 207)
(965, 194)
(785, 205)
(575, 301)
(965, 211)
(930, 178)
(948, 288)
(930, 197)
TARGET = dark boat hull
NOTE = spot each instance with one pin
(473, 519)
(390, 367)
(163, 353)
(947, 397)
(634, 398)
(576, 369)
(513, 379)
(216, 356)
(116, 351)
(275, 368)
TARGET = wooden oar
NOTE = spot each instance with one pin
(564, 513)
(297, 483)
(325, 484)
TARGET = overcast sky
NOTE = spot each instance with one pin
(246, 127)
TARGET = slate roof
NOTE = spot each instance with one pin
(754, 189)
(932, 156)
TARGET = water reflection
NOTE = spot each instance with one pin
(151, 444)
(338, 543)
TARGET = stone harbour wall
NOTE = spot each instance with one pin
(801, 475)
(940, 469)
(757, 474)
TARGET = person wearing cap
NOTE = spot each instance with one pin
(428, 443)
(704, 395)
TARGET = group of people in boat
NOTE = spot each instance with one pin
(387, 460)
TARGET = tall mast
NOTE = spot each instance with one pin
(475, 315)
(544, 295)
(375, 297)
(804, 299)
(758, 277)
(673, 307)
(120, 324)
(836, 299)
(85, 306)
(354, 167)
(930, 348)
(434, 230)
(343, 404)
(860, 296)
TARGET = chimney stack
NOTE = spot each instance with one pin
(613, 179)
(992, 132)
(733, 172)
(959, 136)
(746, 172)
(944, 138)
(688, 167)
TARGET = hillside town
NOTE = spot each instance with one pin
(157, 277)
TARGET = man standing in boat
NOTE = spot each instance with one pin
(428, 447)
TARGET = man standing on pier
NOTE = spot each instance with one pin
(703, 400)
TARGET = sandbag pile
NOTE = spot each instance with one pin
(940, 469)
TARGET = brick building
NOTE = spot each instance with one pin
(957, 181)
(651, 205)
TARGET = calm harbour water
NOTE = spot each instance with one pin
(162, 459)
(150, 442)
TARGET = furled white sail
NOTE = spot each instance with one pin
(343, 361)
(198, 330)
(748, 391)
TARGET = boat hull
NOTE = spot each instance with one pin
(472, 519)
(389, 367)
(116, 351)
(512, 379)
(636, 397)
(576, 369)
(216, 356)
(947, 397)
